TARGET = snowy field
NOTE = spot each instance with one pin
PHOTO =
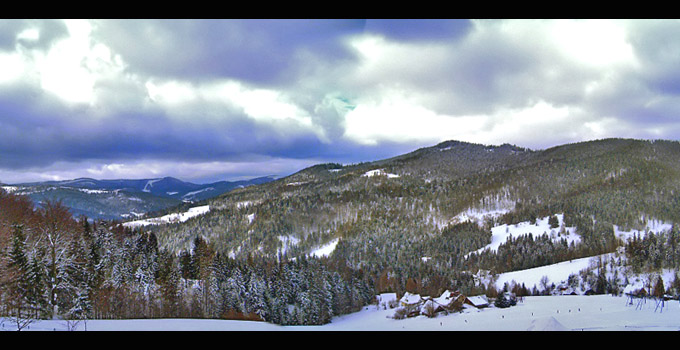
(538, 313)
(556, 272)
(500, 234)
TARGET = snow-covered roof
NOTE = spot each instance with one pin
(428, 303)
(410, 299)
(479, 300)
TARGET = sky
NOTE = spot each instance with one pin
(207, 100)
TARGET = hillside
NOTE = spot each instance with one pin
(421, 213)
(325, 241)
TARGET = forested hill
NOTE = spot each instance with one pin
(324, 241)
(390, 213)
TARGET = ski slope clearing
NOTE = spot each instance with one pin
(556, 272)
(170, 218)
(535, 313)
(500, 234)
(326, 249)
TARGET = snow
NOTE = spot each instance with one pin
(171, 193)
(174, 217)
(250, 218)
(478, 215)
(546, 324)
(326, 249)
(410, 299)
(490, 206)
(652, 225)
(479, 300)
(287, 241)
(537, 313)
(386, 300)
(88, 191)
(500, 234)
(190, 194)
(10, 189)
(379, 172)
(150, 184)
(443, 299)
(556, 273)
(242, 204)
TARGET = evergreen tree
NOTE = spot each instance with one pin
(18, 288)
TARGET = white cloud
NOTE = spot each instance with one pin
(265, 106)
(600, 43)
(30, 34)
(12, 67)
(70, 68)
(395, 118)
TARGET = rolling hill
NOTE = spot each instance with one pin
(427, 210)
(124, 199)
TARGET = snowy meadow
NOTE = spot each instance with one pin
(535, 313)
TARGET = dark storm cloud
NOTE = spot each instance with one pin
(37, 131)
(260, 51)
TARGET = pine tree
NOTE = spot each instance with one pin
(659, 289)
(37, 286)
(18, 288)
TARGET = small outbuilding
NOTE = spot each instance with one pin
(387, 301)
(478, 301)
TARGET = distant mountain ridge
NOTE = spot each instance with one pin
(401, 206)
(168, 187)
(125, 198)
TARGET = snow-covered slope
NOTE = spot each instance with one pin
(170, 218)
(501, 233)
(556, 273)
(326, 249)
(652, 225)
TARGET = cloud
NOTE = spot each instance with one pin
(196, 171)
(260, 51)
(108, 95)
(31, 33)
(419, 30)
